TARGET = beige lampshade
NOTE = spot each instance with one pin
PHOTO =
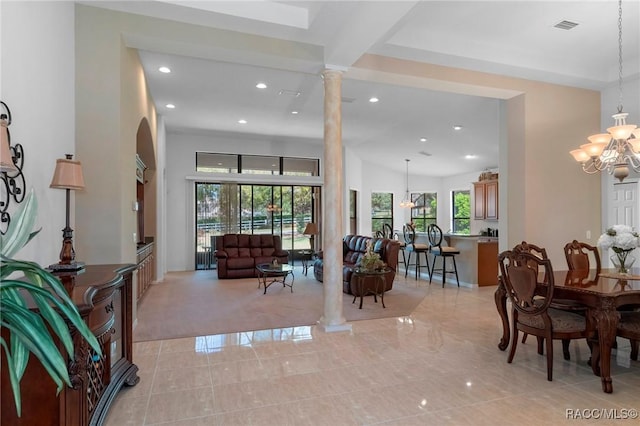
(68, 174)
(594, 149)
(311, 229)
(579, 155)
(6, 162)
(621, 132)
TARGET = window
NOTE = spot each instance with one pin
(210, 162)
(381, 210)
(424, 211)
(353, 212)
(461, 207)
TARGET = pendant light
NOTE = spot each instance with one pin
(406, 202)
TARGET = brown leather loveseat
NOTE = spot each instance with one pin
(238, 254)
(353, 248)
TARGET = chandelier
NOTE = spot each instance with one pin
(406, 201)
(618, 149)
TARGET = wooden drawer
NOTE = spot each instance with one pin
(101, 318)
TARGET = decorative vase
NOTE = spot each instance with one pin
(623, 262)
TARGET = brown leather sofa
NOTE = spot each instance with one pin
(238, 254)
(353, 248)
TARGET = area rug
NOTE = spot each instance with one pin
(189, 304)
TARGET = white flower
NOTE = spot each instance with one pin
(619, 238)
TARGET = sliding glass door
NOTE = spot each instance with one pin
(223, 208)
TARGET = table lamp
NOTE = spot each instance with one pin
(311, 229)
(68, 176)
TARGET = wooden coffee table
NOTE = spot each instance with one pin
(269, 274)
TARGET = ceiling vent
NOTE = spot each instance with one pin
(292, 93)
(566, 25)
(426, 154)
(347, 100)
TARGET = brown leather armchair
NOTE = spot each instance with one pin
(353, 248)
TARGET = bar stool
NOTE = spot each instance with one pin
(434, 233)
(412, 247)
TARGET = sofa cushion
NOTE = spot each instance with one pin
(240, 262)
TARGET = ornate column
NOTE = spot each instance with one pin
(332, 318)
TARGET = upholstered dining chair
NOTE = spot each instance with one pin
(434, 234)
(629, 327)
(569, 305)
(531, 311)
(409, 234)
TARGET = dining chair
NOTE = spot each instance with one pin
(541, 252)
(531, 311)
(629, 327)
(579, 255)
(434, 233)
(409, 234)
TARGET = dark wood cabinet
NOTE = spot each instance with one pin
(104, 297)
(146, 269)
(485, 194)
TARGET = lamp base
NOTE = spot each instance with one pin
(59, 267)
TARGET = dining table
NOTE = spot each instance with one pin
(603, 292)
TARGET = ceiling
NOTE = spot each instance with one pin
(212, 90)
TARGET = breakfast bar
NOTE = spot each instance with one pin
(477, 262)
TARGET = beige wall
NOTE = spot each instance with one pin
(549, 200)
(111, 100)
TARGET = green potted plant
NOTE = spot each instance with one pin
(34, 308)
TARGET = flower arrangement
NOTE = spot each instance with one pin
(622, 239)
(371, 260)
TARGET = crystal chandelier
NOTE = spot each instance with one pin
(620, 148)
(406, 201)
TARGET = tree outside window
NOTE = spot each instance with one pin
(381, 210)
(461, 210)
(424, 211)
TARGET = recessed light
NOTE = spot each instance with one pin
(170, 106)
(261, 86)
(219, 164)
(165, 70)
(423, 139)
(373, 100)
(470, 156)
(242, 121)
(294, 112)
(457, 127)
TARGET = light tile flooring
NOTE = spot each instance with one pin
(439, 366)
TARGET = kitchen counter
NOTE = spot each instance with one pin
(478, 259)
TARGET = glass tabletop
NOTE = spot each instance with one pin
(269, 267)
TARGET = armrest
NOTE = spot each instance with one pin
(221, 254)
(281, 253)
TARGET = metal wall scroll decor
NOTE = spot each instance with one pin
(12, 185)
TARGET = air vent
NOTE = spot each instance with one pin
(348, 100)
(292, 93)
(566, 25)
(426, 154)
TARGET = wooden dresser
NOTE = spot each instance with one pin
(103, 295)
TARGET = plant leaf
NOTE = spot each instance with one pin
(15, 381)
(19, 231)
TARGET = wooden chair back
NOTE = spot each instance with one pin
(520, 272)
(578, 256)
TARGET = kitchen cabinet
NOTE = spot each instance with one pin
(485, 200)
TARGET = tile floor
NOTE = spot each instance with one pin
(439, 366)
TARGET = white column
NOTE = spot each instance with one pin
(332, 319)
